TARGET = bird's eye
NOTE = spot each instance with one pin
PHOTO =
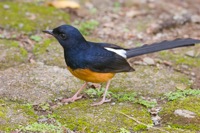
(63, 36)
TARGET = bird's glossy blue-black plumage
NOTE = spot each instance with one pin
(80, 53)
(96, 58)
(98, 62)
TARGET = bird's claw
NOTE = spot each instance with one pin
(72, 99)
(101, 102)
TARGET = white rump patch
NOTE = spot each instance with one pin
(120, 52)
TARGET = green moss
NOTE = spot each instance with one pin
(81, 116)
(125, 97)
(23, 52)
(12, 44)
(36, 38)
(10, 111)
(181, 94)
(49, 52)
(189, 103)
(186, 126)
(148, 104)
(42, 127)
(123, 130)
(87, 26)
(139, 127)
(41, 48)
(30, 17)
(181, 79)
(12, 54)
(8, 44)
(1, 114)
(3, 110)
(142, 25)
(29, 111)
(180, 59)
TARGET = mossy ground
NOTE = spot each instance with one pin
(81, 116)
(150, 80)
(27, 18)
(189, 103)
(11, 54)
(13, 114)
(30, 17)
(180, 58)
(49, 52)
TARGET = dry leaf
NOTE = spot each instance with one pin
(64, 4)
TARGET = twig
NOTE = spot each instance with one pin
(139, 122)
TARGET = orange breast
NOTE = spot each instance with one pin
(89, 76)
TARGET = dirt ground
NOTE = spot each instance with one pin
(162, 95)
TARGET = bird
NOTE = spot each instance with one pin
(98, 62)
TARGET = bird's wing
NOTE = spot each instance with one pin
(105, 58)
(107, 45)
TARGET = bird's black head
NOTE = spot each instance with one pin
(68, 36)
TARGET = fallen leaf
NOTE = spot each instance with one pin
(64, 4)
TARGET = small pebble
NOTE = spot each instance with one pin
(89, 5)
(109, 24)
(6, 6)
(195, 19)
(58, 98)
(149, 61)
(155, 110)
(134, 13)
(156, 120)
(121, 104)
(192, 73)
(167, 63)
(66, 103)
(43, 120)
(56, 69)
(190, 53)
(113, 103)
(138, 63)
(21, 25)
(185, 66)
(185, 113)
(181, 87)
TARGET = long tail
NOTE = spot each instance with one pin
(145, 49)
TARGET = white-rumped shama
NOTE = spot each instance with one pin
(99, 62)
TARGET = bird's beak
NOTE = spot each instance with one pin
(48, 32)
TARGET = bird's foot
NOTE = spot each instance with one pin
(72, 99)
(101, 102)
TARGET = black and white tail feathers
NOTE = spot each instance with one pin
(145, 49)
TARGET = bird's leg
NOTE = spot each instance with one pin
(104, 100)
(75, 97)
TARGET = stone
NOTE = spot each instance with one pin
(190, 53)
(185, 113)
(181, 86)
(149, 61)
(6, 6)
(195, 19)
